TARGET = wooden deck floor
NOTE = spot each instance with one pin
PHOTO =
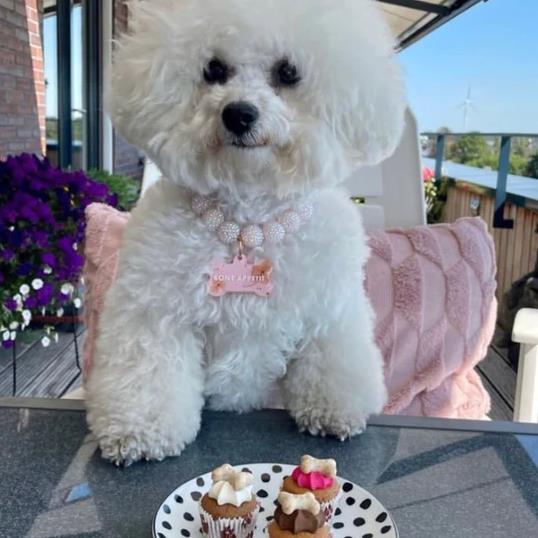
(52, 372)
(499, 379)
(41, 372)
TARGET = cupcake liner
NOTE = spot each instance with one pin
(328, 507)
(237, 527)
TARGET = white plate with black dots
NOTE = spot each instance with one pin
(358, 515)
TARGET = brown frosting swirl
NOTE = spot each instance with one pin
(299, 521)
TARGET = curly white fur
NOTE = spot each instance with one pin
(165, 345)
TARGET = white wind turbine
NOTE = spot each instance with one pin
(468, 106)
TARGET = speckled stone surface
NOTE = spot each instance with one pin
(436, 484)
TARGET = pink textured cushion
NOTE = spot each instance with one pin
(433, 292)
(104, 233)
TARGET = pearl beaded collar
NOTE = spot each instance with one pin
(251, 235)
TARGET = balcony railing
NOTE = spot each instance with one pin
(503, 166)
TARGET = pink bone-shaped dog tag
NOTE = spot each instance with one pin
(241, 276)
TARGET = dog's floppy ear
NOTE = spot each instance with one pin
(140, 94)
(369, 108)
(375, 123)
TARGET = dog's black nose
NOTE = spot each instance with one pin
(239, 117)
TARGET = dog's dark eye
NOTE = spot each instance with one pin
(216, 72)
(285, 74)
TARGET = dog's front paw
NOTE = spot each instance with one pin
(129, 449)
(324, 421)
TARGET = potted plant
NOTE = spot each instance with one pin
(41, 230)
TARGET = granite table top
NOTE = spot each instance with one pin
(438, 478)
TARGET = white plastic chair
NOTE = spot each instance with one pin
(393, 190)
(525, 332)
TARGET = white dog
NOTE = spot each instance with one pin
(263, 107)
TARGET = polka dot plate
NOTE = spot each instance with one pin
(358, 515)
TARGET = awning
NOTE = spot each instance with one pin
(411, 20)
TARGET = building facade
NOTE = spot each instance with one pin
(55, 56)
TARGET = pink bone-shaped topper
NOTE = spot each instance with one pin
(241, 276)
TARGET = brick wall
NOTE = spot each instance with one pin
(127, 159)
(22, 85)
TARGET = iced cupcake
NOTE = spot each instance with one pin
(319, 478)
(230, 508)
(298, 515)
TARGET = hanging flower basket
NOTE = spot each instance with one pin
(41, 228)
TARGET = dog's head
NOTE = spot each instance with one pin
(279, 95)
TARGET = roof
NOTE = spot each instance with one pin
(523, 187)
(410, 20)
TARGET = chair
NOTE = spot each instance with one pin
(525, 333)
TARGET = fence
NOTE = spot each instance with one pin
(508, 204)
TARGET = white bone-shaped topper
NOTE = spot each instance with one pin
(237, 479)
(310, 464)
(289, 502)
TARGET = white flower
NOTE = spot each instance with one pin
(60, 312)
(24, 289)
(37, 283)
(56, 337)
(77, 302)
(82, 280)
(13, 335)
(14, 325)
(67, 288)
(47, 270)
(18, 298)
(26, 316)
(5, 336)
(75, 246)
(45, 341)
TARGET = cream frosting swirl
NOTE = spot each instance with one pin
(224, 493)
(230, 486)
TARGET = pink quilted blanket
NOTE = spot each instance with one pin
(433, 292)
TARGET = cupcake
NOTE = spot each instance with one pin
(319, 478)
(229, 509)
(298, 515)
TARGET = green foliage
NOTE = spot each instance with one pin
(518, 164)
(125, 188)
(532, 167)
(473, 150)
(468, 148)
(437, 206)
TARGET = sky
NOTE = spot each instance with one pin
(492, 49)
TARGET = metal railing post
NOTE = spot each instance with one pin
(439, 155)
(500, 193)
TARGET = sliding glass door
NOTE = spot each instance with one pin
(71, 38)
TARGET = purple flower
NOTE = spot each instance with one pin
(30, 302)
(48, 258)
(7, 344)
(7, 254)
(44, 295)
(10, 304)
(41, 217)
(40, 238)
